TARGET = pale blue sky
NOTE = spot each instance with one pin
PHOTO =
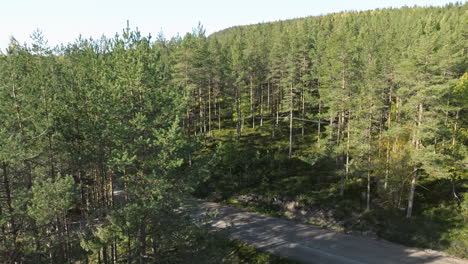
(63, 20)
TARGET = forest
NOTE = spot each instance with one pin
(362, 115)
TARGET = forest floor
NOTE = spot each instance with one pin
(308, 243)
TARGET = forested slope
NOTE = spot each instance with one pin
(363, 113)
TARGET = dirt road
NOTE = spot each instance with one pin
(310, 244)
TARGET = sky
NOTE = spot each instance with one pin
(62, 21)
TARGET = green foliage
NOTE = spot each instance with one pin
(378, 101)
(461, 90)
(52, 199)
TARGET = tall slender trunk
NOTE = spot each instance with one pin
(277, 95)
(200, 110)
(416, 142)
(242, 114)
(268, 96)
(186, 123)
(68, 246)
(105, 255)
(369, 151)
(387, 166)
(389, 125)
(239, 115)
(215, 103)
(251, 102)
(261, 105)
(454, 191)
(397, 110)
(277, 110)
(303, 110)
(281, 96)
(129, 248)
(368, 183)
(188, 120)
(338, 132)
(114, 252)
(414, 177)
(446, 120)
(291, 120)
(219, 115)
(347, 145)
(339, 154)
(341, 117)
(209, 108)
(2, 226)
(142, 242)
(319, 122)
(455, 127)
(17, 108)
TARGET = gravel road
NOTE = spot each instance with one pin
(310, 244)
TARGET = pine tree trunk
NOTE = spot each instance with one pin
(347, 145)
(268, 98)
(261, 105)
(445, 121)
(291, 121)
(200, 111)
(416, 141)
(379, 148)
(368, 184)
(303, 110)
(209, 108)
(241, 112)
(142, 242)
(251, 102)
(105, 257)
(68, 246)
(219, 115)
(411, 194)
(339, 154)
(273, 124)
(277, 108)
(387, 166)
(319, 122)
(18, 112)
(397, 110)
(114, 251)
(454, 191)
(455, 127)
(239, 115)
(129, 249)
(338, 131)
(369, 151)
(389, 125)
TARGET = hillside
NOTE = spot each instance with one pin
(357, 116)
(353, 121)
